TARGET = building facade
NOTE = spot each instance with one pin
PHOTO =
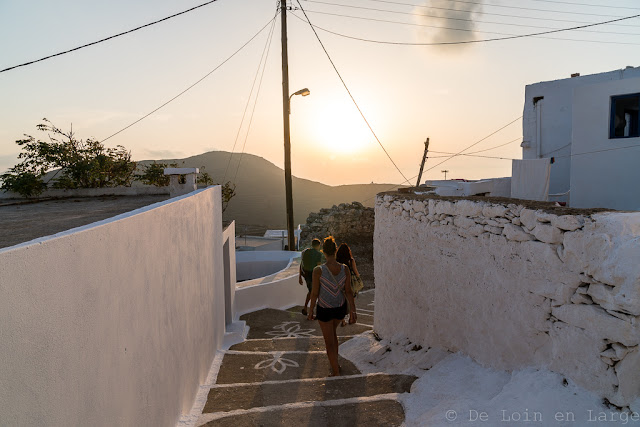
(588, 127)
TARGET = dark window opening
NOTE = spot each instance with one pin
(625, 116)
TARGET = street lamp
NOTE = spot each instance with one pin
(303, 92)
(288, 185)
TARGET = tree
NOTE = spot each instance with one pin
(153, 174)
(84, 164)
(80, 164)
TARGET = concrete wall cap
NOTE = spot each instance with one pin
(180, 171)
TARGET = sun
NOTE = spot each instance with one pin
(340, 127)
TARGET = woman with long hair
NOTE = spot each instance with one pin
(331, 289)
(344, 256)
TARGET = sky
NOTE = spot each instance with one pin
(455, 95)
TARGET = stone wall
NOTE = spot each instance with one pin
(347, 220)
(513, 286)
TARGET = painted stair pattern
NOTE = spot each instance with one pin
(279, 377)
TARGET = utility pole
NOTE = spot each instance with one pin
(445, 173)
(424, 159)
(287, 136)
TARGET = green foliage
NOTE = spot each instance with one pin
(84, 164)
(81, 164)
(204, 178)
(228, 193)
(153, 174)
(24, 183)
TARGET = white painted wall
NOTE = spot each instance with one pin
(513, 287)
(280, 290)
(114, 323)
(555, 113)
(255, 264)
(607, 179)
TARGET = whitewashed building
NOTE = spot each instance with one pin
(589, 127)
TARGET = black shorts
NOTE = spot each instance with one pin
(328, 314)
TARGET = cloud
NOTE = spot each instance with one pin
(456, 22)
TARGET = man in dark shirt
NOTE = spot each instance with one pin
(311, 258)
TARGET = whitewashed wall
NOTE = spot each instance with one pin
(514, 287)
(115, 323)
(280, 290)
(555, 113)
(609, 176)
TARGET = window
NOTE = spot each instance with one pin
(625, 115)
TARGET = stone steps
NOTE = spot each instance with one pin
(271, 323)
(378, 411)
(251, 367)
(245, 396)
(278, 376)
(285, 344)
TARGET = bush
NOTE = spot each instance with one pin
(81, 164)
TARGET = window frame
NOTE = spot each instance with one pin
(612, 111)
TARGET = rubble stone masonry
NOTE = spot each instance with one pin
(514, 287)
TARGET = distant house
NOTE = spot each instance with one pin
(589, 127)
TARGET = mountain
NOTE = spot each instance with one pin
(260, 198)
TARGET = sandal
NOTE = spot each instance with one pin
(343, 323)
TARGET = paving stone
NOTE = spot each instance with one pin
(257, 395)
(285, 344)
(379, 413)
(276, 366)
(270, 323)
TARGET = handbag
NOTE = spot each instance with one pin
(356, 284)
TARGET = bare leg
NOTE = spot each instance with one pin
(336, 322)
(306, 301)
(331, 343)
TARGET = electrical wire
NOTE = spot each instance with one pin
(497, 5)
(472, 154)
(348, 91)
(546, 19)
(474, 144)
(109, 38)
(466, 20)
(587, 4)
(557, 149)
(191, 86)
(480, 40)
(246, 107)
(254, 104)
(407, 181)
(597, 151)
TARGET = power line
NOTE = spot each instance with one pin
(475, 21)
(469, 155)
(497, 5)
(587, 4)
(475, 143)
(110, 37)
(193, 85)
(473, 153)
(471, 30)
(255, 103)
(597, 151)
(476, 41)
(457, 10)
(246, 107)
(348, 91)
(406, 181)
